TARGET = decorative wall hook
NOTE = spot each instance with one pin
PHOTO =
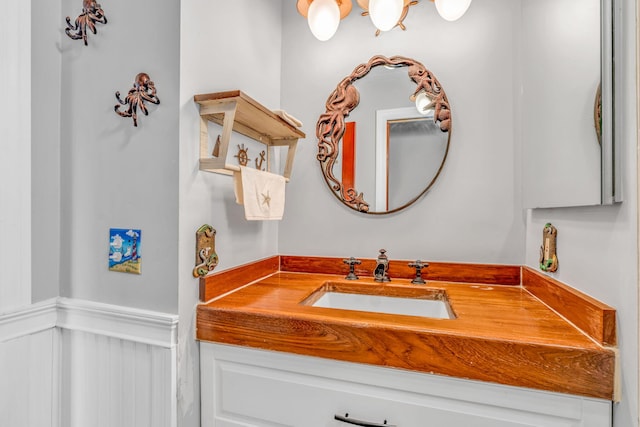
(216, 148)
(548, 257)
(259, 161)
(206, 256)
(143, 90)
(91, 15)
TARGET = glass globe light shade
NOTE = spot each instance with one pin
(452, 10)
(385, 14)
(424, 104)
(323, 18)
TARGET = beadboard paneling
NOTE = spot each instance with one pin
(28, 380)
(116, 382)
(118, 365)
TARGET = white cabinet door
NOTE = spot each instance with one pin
(244, 387)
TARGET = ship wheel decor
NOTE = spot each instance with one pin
(91, 15)
(143, 90)
(331, 125)
(243, 155)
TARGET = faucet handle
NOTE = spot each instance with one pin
(418, 265)
(352, 262)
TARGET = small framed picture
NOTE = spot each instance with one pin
(124, 250)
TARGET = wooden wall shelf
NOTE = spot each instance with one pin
(235, 111)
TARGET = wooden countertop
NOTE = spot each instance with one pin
(501, 333)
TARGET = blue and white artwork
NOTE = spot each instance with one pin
(124, 250)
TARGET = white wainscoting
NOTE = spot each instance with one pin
(116, 382)
(73, 363)
(118, 366)
(28, 366)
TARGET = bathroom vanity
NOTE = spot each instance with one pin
(513, 348)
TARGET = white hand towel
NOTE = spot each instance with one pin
(288, 118)
(261, 193)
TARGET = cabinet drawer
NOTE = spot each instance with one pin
(267, 397)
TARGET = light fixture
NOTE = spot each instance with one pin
(424, 104)
(367, 5)
(452, 10)
(385, 14)
(324, 16)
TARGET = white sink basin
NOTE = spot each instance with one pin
(433, 308)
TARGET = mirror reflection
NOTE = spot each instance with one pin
(385, 154)
(561, 74)
(415, 149)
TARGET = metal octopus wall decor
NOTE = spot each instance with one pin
(331, 125)
(91, 15)
(597, 113)
(143, 90)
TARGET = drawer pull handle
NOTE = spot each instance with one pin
(356, 422)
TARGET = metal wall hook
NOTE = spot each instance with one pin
(143, 90)
(91, 15)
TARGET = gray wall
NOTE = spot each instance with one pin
(560, 77)
(225, 45)
(112, 174)
(598, 246)
(472, 213)
(45, 153)
(15, 161)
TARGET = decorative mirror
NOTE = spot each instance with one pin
(597, 114)
(387, 153)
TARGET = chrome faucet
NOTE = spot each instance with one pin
(352, 262)
(380, 274)
(418, 265)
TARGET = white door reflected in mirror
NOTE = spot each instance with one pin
(406, 140)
